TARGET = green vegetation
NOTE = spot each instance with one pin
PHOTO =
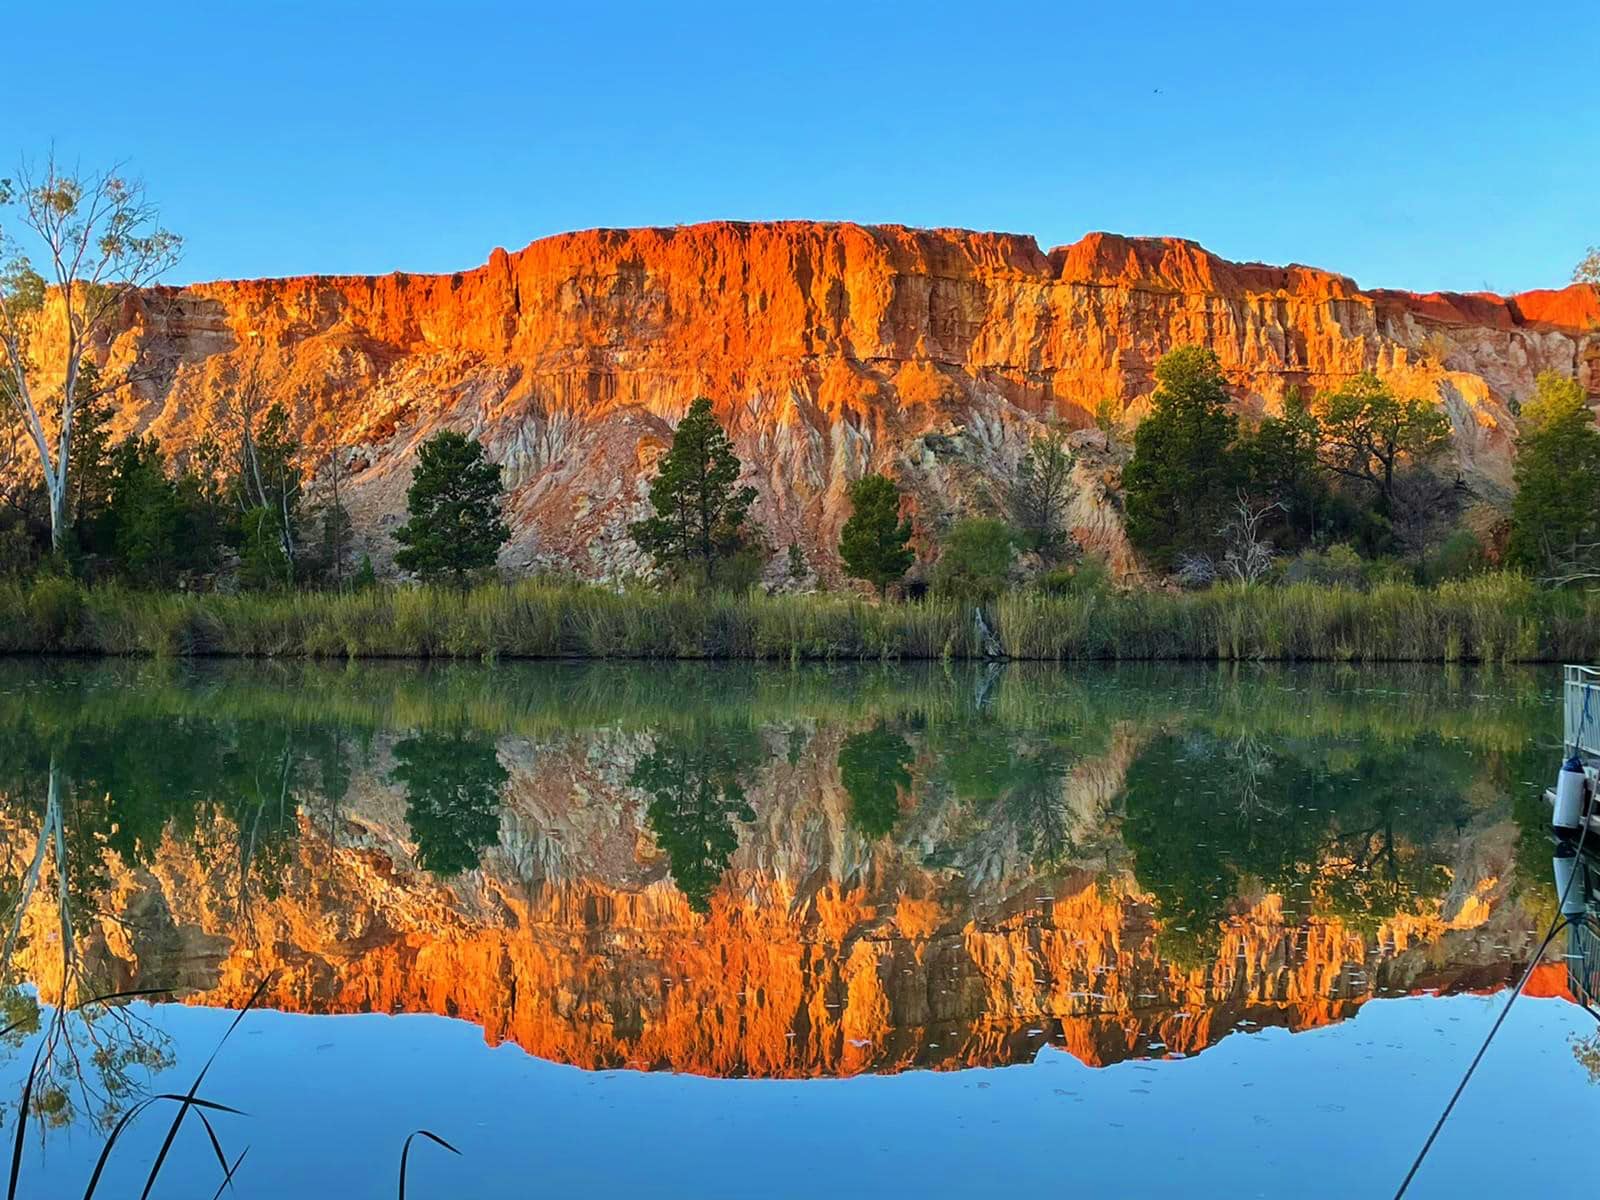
(1555, 518)
(874, 542)
(95, 236)
(1368, 434)
(454, 502)
(975, 559)
(1488, 617)
(1039, 494)
(1212, 499)
(1336, 511)
(700, 532)
(1184, 471)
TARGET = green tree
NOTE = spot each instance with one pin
(1367, 432)
(1183, 472)
(453, 783)
(256, 460)
(974, 559)
(1555, 516)
(700, 525)
(93, 460)
(263, 565)
(454, 502)
(1039, 493)
(144, 514)
(874, 541)
(1588, 268)
(875, 767)
(333, 552)
(1278, 463)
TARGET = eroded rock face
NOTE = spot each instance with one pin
(828, 350)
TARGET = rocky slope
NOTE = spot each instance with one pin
(828, 349)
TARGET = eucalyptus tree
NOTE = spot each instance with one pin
(74, 246)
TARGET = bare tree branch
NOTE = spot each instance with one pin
(98, 238)
(1247, 556)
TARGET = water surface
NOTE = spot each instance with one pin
(699, 930)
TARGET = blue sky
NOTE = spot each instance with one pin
(1418, 145)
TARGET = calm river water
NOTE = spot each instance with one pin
(699, 930)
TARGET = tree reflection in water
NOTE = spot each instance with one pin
(93, 1054)
(453, 783)
(1357, 830)
(695, 782)
(875, 769)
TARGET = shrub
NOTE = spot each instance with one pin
(1091, 576)
(1337, 566)
(55, 611)
(1461, 555)
(263, 564)
(18, 554)
(1195, 571)
(975, 560)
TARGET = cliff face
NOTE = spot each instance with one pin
(828, 350)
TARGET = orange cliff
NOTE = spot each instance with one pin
(828, 349)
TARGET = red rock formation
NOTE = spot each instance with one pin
(829, 349)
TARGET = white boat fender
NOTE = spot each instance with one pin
(1570, 882)
(1571, 784)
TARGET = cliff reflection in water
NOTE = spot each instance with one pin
(746, 871)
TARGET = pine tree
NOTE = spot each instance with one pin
(873, 542)
(454, 503)
(1183, 471)
(699, 528)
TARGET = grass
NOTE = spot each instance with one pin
(1487, 618)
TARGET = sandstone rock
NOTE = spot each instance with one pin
(828, 350)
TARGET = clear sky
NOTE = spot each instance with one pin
(1409, 144)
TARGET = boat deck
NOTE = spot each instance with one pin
(1581, 729)
(1581, 695)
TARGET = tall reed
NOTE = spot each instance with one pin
(1487, 618)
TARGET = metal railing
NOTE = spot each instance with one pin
(1581, 692)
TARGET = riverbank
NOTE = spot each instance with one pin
(1488, 618)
